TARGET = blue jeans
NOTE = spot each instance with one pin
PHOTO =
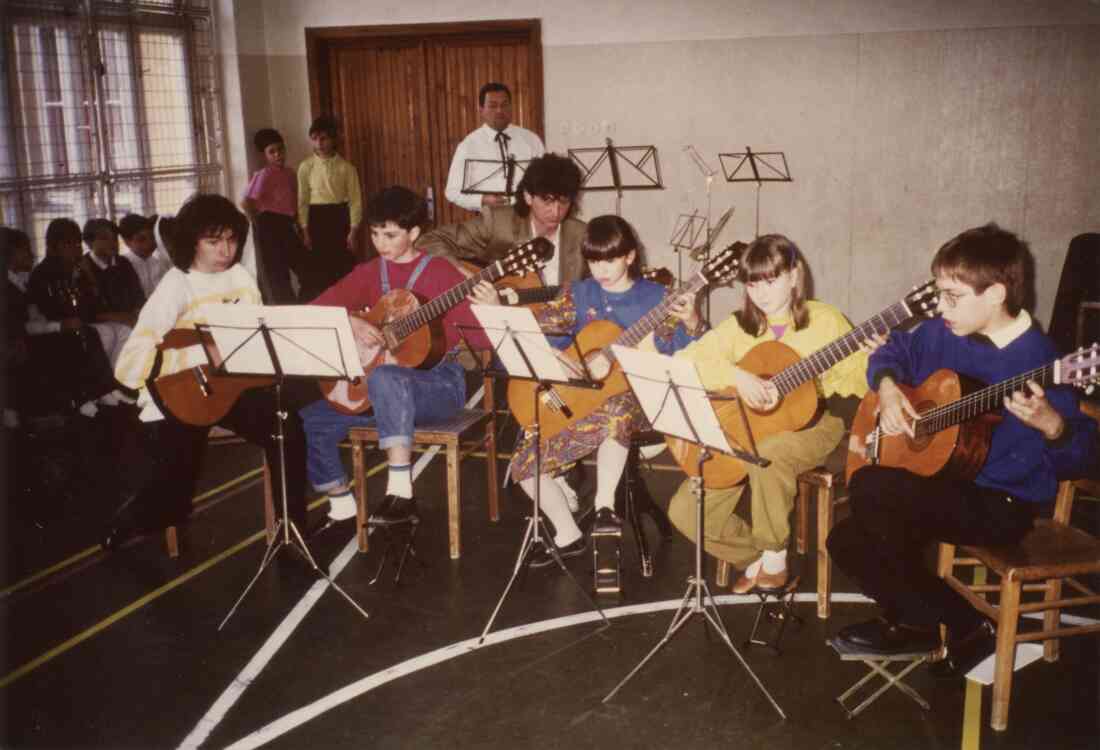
(402, 399)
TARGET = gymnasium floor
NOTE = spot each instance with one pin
(123, 651)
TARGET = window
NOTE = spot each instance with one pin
(109, 107)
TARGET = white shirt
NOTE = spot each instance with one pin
(550, 271)
(482, 144)
(149, 270)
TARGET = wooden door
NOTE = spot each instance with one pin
(406, 95)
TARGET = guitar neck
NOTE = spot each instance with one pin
(981, 401)
(831, 354)
(536, 295)
(405, 326)
(649, 322)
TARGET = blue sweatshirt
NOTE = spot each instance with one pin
(1021, 461)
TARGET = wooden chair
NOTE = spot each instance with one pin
(1049, 557)
(449, 435)
(825, 484)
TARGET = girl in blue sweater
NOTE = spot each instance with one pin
(614, 292)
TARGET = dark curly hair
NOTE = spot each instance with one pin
(203, 215)
(546, 175)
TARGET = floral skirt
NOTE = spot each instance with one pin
(617, 419)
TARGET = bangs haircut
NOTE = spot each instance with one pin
(608, 237)
(765, 260)
(398, 204)
(205, 215)
(984, 256)
(323, 124)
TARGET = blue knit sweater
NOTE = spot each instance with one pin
(624, 309)
(1021, 462)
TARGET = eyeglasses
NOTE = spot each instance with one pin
(950, 300)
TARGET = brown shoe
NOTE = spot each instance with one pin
(762, 580)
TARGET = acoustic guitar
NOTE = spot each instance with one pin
(794, 379)
(952, 433)
(565, 405)
(412, 330)
(197, 395)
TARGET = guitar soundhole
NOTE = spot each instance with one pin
(920, 442)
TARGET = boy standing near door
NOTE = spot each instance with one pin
(330, 209)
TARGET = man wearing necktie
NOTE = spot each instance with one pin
(492, 152)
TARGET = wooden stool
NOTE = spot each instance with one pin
(448, 434)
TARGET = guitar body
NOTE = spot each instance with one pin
(181, 394)
(959, 450)
(581, 401)
(793, 412)
(424, 347)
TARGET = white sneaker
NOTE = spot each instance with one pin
(88, 409)
(341, 507)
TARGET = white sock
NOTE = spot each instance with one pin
(553, 503)
(569, 492)
(88, 409)
(774, 562)
(754, 568)
(341, 506)
(610, 463)
(399, 480)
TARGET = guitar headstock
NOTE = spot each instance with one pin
(530, 256)
(1081, 368)
(662, 276)
(723, 266)
(923, 299)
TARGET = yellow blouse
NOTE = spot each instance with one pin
(718, 351)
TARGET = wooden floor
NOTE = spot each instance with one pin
(124, 651)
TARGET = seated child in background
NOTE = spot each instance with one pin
(271, 201)
(149, 261)
(72, 369)
(402, 397)
(115, 284)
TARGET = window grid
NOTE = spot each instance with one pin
(108, 107)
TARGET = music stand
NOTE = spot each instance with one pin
(675, 402)
(758, 167)
(283, 342)
(522, 348)
(493, 176)
(618, 168)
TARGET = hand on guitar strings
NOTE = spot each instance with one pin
(484, 293)
(1035, 411)
(758, 393)
(683, 308)
(895, 413)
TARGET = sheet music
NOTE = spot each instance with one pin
(650, 374)
(309, 340)
(505, 326)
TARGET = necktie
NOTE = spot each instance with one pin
(502, 141)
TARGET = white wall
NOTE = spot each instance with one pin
(903, 121)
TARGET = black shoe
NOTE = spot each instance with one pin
(963, 654)
(395, 510)
(607, 522)
(881, 636)
(541, 557)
